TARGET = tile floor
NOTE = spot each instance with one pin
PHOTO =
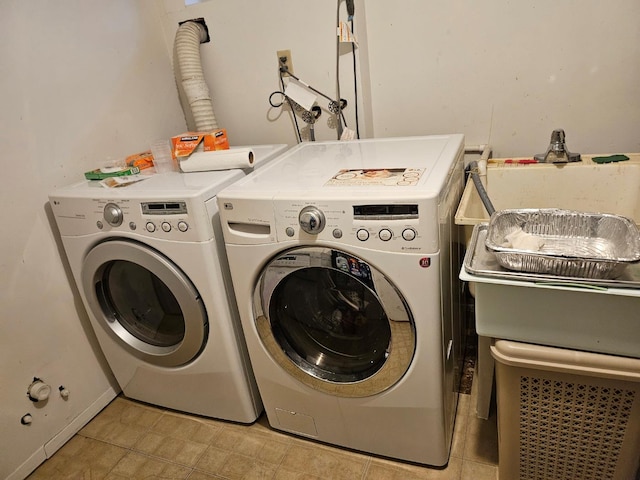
(132, 440)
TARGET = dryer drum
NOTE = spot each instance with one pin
(334, 322)
(144, 305)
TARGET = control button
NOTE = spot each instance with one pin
(362, 234)
(183, 226)
(290, 232)
(311, 220)
(150, 227)
(99, 224)
(113, 214)
(337, 233)
(409, 234)
(132, 225)
(166, 226)
(385, 234)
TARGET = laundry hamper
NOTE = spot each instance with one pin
(565, 414)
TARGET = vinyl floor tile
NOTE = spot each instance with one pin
(481, 442)
(319, 460)
(135, 465)
(400, 471)
(81, 458)
(133, 440)
(478, 471)
(184, 452)
(123, 422)
(185, 427)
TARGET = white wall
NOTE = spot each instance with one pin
(84, 80)
(508, 72)
(81, 80)
(502, 72)
(241, 66)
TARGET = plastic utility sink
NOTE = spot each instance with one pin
(586, 186)
(580, 316)
(580, 313)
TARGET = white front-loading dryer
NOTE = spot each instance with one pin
(344, 263)
(151, 269)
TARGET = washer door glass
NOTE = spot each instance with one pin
(334, 322)
(145, 302)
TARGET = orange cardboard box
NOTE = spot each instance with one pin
(186, 143)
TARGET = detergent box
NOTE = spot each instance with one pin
(185, 144)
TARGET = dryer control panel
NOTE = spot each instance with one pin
(168, 220)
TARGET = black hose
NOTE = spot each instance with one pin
(473, 169)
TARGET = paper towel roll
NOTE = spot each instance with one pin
(218, 160)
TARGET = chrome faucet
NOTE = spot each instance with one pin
(557, 151)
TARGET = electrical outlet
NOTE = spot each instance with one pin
(284, 62)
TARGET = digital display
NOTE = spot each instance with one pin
(164, 208)
(402, 210)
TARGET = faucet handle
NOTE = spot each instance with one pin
(557, 150)
(557, 137)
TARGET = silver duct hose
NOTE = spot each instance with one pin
(187, 47)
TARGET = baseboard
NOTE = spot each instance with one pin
(29, 465)
(53, 445)
(62, 437)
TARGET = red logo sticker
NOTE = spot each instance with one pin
(425, 262)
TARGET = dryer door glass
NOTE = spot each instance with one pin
(334, 322)
(144, 302)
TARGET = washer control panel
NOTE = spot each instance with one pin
(399, 227)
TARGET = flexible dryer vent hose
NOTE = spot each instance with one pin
(187, 48)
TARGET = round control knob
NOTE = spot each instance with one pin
(408, 234)
(311, 220)
(166, 226)
(183, 226)
(26, 419)
(38, 390)
(113, 214)
(385, 234)
(362, 235)
(150, 227)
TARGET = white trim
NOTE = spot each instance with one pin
(62, 437)
(53, 445)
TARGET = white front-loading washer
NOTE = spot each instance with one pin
(344, 259)
(150, 265)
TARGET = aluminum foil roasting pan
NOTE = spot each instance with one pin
(563, 242)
